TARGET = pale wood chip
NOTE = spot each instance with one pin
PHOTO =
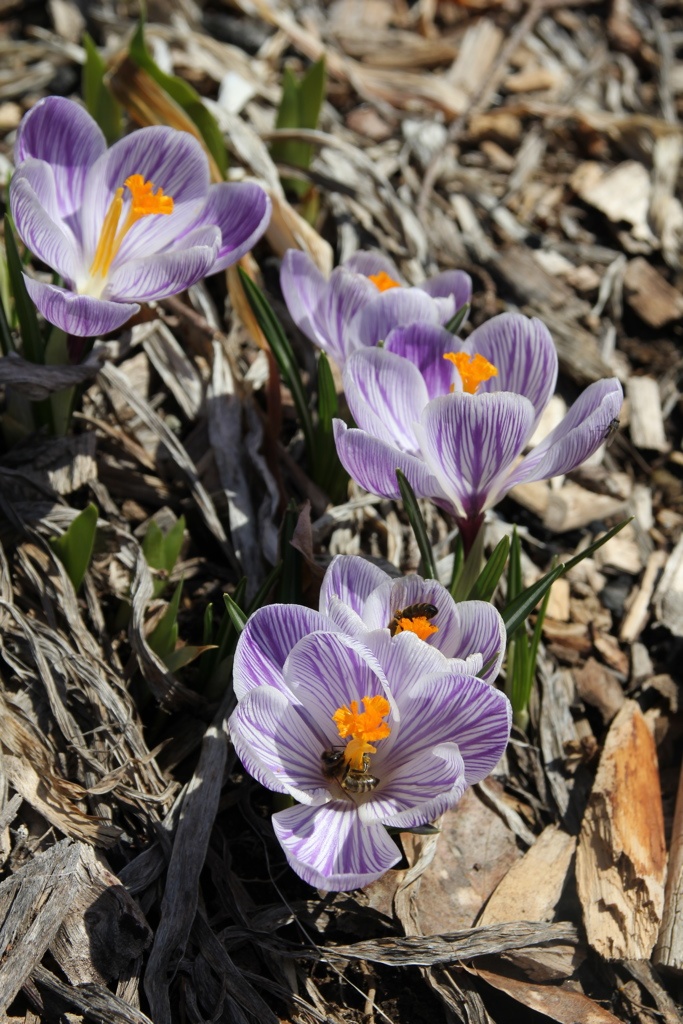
(621, 856)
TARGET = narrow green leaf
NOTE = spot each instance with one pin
(299, 108)
(458, 563)
(289, 588)
(184, 95)
(416, 830)
(592, 548)
(471, 569)
(237, 616)
(207, 624)
(99, 101)
(284, 357)
(517, 611)
(6, 340)
(417, 522)
(183, 656)
(456, 321)
(312, 94)
(515, 567)
(329, 472)
(153, 546)
(75, 547)
(32, 347)
(172, 543)
(489, 577)
(164, 636)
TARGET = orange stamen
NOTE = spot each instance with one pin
(420, 625)
(473, 370)
(144, 201)
(362, 727)
(383, 282)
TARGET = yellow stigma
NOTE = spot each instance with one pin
(362, 727)
(144, 201)
(383, 282)
(420, 625)
(473, 370)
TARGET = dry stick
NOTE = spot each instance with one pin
(669, 949)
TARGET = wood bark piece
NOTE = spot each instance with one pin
(103, 929)
(531, 889)
(560, 1004)
(668, 600)
(621, 856)
(669, 949)
(638, 613)
(647, 421)
(33, 903)
(650, 295)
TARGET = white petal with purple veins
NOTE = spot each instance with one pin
(173, 161)
(351, 579)
(327, 671)
(241, 211)
(65, 136)
(386, 395)
(419, 790)
(480, 630)
(373, 465)
(391, 309)
(469, 441)
(454, 283)
(581, 432)
(524, 354)
(370, 263)
(167, 274)
(265, 643)
(78, 314)
(275, 745)
(337, 308)
(40, 232)
(330, 848)
(302, 285)
(425, 346)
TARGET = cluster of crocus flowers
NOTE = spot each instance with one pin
(125, 225)
(363, 300)
(363, 724)
(456, 416)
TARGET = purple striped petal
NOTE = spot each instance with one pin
(326, 671)
(65, 136)
(450, 708)
(580, 433)
(425, 346)
(331, 849)
(78, 314)
(373, 465)
(419, 790)
(276, 745)
(173, 161)
(169, 273)
(391, 309)
(265, 643)
(241, 211)
(477, 628)
(524, 354)
(337, 308)
(302, 285)
(469, 441)
(407, 662)
(454, 283)
(351, 579)
(38, 230)
(395, 595)
(344, 619)
(386, 395)
(370, 263)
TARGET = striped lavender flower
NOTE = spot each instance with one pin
(456, 416)
(124, 225)
(362, 735)
(363, 300)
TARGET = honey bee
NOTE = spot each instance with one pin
(353, 780)
(413, 611)
(610, 431)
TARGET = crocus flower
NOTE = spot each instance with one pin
(455, 416)
(363, 299)
(362, 736)
(361, 600)
(124, 225)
